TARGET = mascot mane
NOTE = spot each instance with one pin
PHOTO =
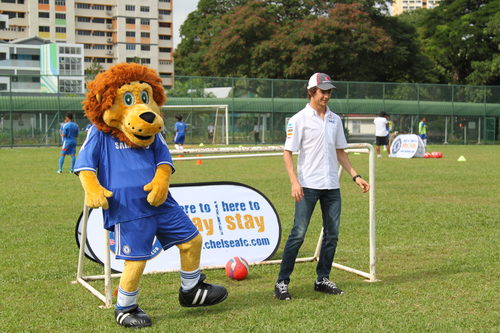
(103, 89)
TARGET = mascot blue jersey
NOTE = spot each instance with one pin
(127, 171)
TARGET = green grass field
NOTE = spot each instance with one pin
(437, 250)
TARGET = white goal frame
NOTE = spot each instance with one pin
(370, 276)
(223, 107)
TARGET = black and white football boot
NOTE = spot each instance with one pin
(133, 317)
(203, 294)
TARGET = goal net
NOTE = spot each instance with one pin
(207, 124)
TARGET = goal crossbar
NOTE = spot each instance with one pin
(370, 276)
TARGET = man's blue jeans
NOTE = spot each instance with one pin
(330, 203)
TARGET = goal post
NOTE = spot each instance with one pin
(242, 152)
(199, 118)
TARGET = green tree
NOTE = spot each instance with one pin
(94, 69)
(196, 34)
(459, 36)
(353, 40)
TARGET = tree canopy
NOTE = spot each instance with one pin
(351, 40)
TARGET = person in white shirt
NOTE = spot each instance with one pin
(381, 132)
(318, 135)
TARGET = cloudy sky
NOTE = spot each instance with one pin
(181, 10)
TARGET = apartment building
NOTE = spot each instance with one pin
(34, 65)
(400, 6)
(111, 31)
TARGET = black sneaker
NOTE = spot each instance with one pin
(133, 317)
(326, 286)
(203, 294)
(281, 291)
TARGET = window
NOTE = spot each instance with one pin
(43, 14)
(9, 1)
(83, 32)
(165, 49)
(98, 46)
(165, 24)
(87, 46)
(60, 2)
(356, 126)
(164, 0)
(130, 46)
(43, 29)
(98, 33)
(83, 5)
(145, 21)
(130, 33)
(145, 9)
(164, 12)
(130, 8)
(145, 61)
(83, 19)
(98, 7)
(164, 37)
(60, 16)
(145, 47)
(43, 2)
(145, 34)
(129, 20)
(61, 30)
(98, 20)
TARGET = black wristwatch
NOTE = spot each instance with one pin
(355, 177)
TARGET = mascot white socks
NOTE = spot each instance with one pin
(125, 166)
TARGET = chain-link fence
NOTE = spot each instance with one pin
(259, 108)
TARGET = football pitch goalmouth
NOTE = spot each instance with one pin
(241, 152)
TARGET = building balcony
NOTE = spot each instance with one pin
(13, 33)
(164, 31)
(20, 64)
(92, 13)
(98, 53)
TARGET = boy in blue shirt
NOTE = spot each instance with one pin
(180, 132)
(69, 133)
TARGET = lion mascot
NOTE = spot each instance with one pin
(124, 166)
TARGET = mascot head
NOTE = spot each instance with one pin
(125, 101)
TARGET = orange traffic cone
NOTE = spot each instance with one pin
(198, 162)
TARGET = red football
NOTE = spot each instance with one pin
(237, 268)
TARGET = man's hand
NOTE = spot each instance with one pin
(363, 184)
(95, 195)
(297, 192)
(158, 187)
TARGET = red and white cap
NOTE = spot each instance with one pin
(320, 80)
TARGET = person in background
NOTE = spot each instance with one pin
(211, 130)
(69, 133)
(422, 130)
(318, 135)
(381, 132)
(256, 131)
(180, 132)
